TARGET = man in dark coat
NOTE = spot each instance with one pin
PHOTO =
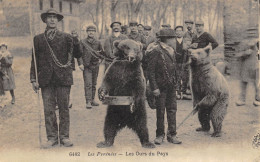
(202, 38)
(162, 79)
(189, 35)
(54, 51)
(147, 35)
(89, 64)
(134, 35)
(108, 45)
(140, 29)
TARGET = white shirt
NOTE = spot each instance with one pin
(180, 39)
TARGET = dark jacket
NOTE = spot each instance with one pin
(87, 58)
(47, 69)
(204, 39)
(108, 45)
(156, 70)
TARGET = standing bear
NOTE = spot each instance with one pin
(210, 91)
(124, 77)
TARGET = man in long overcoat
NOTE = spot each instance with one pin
(162, 78)
(54, 51)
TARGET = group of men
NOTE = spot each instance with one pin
(165, 66)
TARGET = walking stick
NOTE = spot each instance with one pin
(36, 75)
(192, 112)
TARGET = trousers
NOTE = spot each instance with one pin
(90, 81)
(166, 100)
(50, 95)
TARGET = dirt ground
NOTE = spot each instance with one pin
(19, 127)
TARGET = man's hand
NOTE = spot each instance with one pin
(35, 86)
(156, 92)
(194, 45)
(81, 67)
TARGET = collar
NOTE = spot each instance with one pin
(116, 34)
(198, 35)
(179, 39)
(91, 40)
(50, 32)
(167, 48)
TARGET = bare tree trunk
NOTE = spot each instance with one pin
(102, 20)
(195, 11)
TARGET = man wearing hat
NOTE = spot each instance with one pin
(108, 45)
(140, 29)
(54, 51)
(166, 26)
(202, 38)
(89, 64)
(189, 35)
(147, 35)
(134, 35)
(162, 79)
(249, 66)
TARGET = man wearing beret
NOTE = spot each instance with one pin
(89, 64)
(147, 35)
(202, 38)
(134, 35)
(108, 45)
(162, 79)
(124, 30)
(189, 35)
(54, 51)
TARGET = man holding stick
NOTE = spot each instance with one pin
(53, 53)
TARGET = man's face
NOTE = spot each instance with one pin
(199, 28)
(3, 49)
(146, 32)
(140, 29)
(189, 26)
(170, 42)
(51, 21)
(133, 28)
(179, 32)
(91, 33)
(116, 27)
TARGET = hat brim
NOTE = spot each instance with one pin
(44, 15)
(116, 22)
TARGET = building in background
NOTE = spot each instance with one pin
(15, 18)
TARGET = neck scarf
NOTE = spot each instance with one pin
(50, 33)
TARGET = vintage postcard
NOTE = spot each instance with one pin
(129, 80)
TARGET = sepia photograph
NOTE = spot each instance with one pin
(129, 80)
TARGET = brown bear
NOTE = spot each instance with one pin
(209, 90)
(124, 77)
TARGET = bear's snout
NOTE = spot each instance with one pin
(131, 56)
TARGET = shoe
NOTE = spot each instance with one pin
(187, 97)
(70, 105)
(66, 142)
(49, 144)
(88, 106)
(240, 103)
(200, 129)
(159, 140)
(94, 103)
(13, 100)
(256, 103)
(173, 139)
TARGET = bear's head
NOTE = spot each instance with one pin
(200, 56)
(128, 50)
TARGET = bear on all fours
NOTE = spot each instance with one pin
(124, 77)
(209, 90)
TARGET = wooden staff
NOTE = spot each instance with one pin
(36, 74)
(191, 113)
